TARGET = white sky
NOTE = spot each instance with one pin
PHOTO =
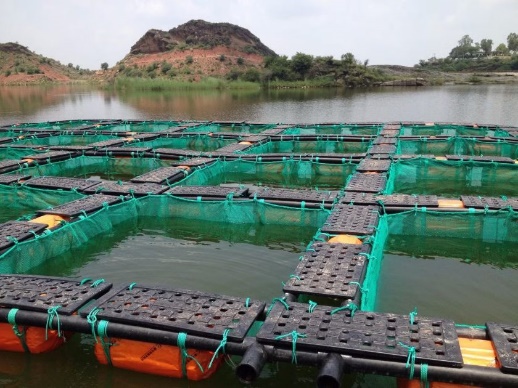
(89, 32)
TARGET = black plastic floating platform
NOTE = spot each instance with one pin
(234, 147)
(73, 148)
(195, 162)
(206, 192)
(385, 140)
(6, 139)
(179, 310)
(356, 198)
(13, 178)
(81, 206)
(161, 175)
(19, 230)
(367, 183)
(310, 196)
(412, 156)
(108, 143)
(389, 132)
(356, 220)
(145, 136)
(47, 182)
(366, 334)
(255, 139)
(373, 165)
(53, 156)
(406, 200)
(123, 151)
(10, 165)
(489, 202)
(328, 270)
(496, 159)
(382, 149)
(505, 341)
(124, 188)
(39, 293)
(176, 153)
(274, 131)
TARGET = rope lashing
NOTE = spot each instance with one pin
(294, 337)
(11, 318)
(350, 306)
(52, 313)
(247, 302)
(97, 283)
(180, 342)
(130, 287)
(412, 316)
(410, 361)
(312, 306)
(362, 290)
(102, 332)
(424, 376)
(85, 280)
(281, 301)
(91, 318)
(221, 347)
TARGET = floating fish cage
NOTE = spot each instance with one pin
(385, 209)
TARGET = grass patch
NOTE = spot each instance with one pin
(161, 84)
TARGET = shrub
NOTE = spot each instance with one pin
(240, 61)
(188, 59)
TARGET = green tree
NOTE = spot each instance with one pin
(487, 46)
(465, 48)
(104, 66)
(501, 49)
(301, 63)
(512, 41)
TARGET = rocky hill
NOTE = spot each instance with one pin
(19, 65)
(192, 51)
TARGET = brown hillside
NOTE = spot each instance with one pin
(19, 65)
(192, 51)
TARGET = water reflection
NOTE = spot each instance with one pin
(461, 103)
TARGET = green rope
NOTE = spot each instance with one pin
(182, 337)
(97, 283)
(410, 361)
(312, 306)
(281, 301)
(85, 280)
(221, 347)
(350, 306)
(130, 287)
(102, 332)
(247, 302)
(412, 315)
(362, 290)
(51, 313)
(424, 376)
(294, 337)
(11, 318)
(91, 318)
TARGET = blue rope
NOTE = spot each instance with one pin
(247, 302)
(130, 287)
(294, 337)
(11, 318)
(51, 313)
(85, 280)
(312, 306)
(102, 332)
(350, 306)
(412, 315)
(410, 361)
(182, 337)
(97, 283)
(424, 376)
(221, 347)
(91, 318)
(281, 301)
(362, 290)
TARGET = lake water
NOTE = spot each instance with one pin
(238, 260)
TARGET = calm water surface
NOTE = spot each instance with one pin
(252, 260)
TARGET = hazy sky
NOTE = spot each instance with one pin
(89, 32)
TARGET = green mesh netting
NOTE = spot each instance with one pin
(244, 128)
(15, 153)
(25, 255)
(317, 146)
(458, 146)
(203, 143)
(144, 126)
(289, 173)
(336, 129)
(452, 178)
(63, 140)
(451, 130)
(103, 166)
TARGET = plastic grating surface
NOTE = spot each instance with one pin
(14, 178)
(177, 152)
(115, 188)
(406, 200)
(19, 230)
(10, 165)
(352, 219)
(413, 156)
(373, 165)
(45, 182)
(6, 139)
(179, 310)
(73, 148)
(81, 206)
(389, 132)
(366, 334)
(497, 159)
(38, 293)
(146, 136)
(385, 140)
(232, 148)
(489, 202)
(195, 162)
(161, 175)
(367, 183)
(255, 138)
(354, 198)
(295, 195)
(53, 155)
(329, 271)
(505, 342)
(126, 150)
(207, 191)
(108, 143)
(382, 149)
(323, 157)
(274, 131)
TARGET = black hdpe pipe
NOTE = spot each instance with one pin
(252, 363)
(331, 371)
